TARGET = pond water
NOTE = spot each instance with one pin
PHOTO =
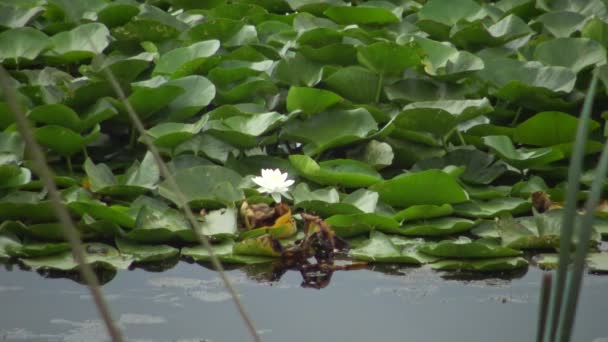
(188, 303)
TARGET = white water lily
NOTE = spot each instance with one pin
(273, 182)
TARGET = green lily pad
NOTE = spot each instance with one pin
(24, 205)
(171, 134)
(98, 255)
(434, 227)
(423, 212)
(361, 15)
(346, 172)
(573, 53)
(64, 141)
(245, 131)
(356, 224)
(22, 44)
(155, 225)
(480, 167)
(138, 179)
(443, 60)
(330, 129)
(298, 71)
(186, 60)
(217, 224)
(38, 249)
(145, 253)
(204, 186)
(380, 248)
(324, 202)
(199, 92)
(493, 208)
(18, 16)
(81, 43)
(466, 248)
(8, 243)
(486, 265)
(597, 262)
(310, 100)
(343, 79)
(561, 24)
(389, 58)
(476, 34)
(261, 246)
(557, 128)
(426, 187)
(115, 214)
(224, 252)
(524, 157)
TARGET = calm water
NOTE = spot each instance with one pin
(188, 303)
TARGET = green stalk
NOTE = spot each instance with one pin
(574, 174)
(379, 87)
(575, 278)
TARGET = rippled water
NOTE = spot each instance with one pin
(188, 303)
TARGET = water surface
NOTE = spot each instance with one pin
(189, 303)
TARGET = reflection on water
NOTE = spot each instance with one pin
(187, 302)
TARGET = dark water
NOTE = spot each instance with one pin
(188, 303)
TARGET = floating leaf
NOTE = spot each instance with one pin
(343, 79)
(389, 58)
(246, 130)
(330, 129)
(204, 186)
(521, 158)
(186, 60)
(486, 265)
(98, 255)
(480, 167)
(434, 227)
(345, 172)
(557, 128)
(426, 187)
(223, 251)
(262, 246)
(361, 15)
(467, 249)
(81, 43)
(597, 262)
(22, 44)
(423, 212)
(145, 253)
(380, 248)
(171, 134)
(573, 53)
(493, 208)
(356, 224)
(310, 100)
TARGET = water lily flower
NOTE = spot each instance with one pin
(273, 182)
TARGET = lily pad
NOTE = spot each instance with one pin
(245, 131)
(557, 128)
(98, 255)
(493, 208)
(345, 172)
(81, 43)
(145, 253)
(330, 129)
(311, 100)
(598, 262)
(261, 246)
(224, 252)
(524, 157)
(186, 60)
(427, 187)
(204, 186)
(356, 224)
(171, 134)
(466, 248)
(434, 227)
(486, 265)
(22, 44)
(423, 211)
(573, 53)
(380, 248)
